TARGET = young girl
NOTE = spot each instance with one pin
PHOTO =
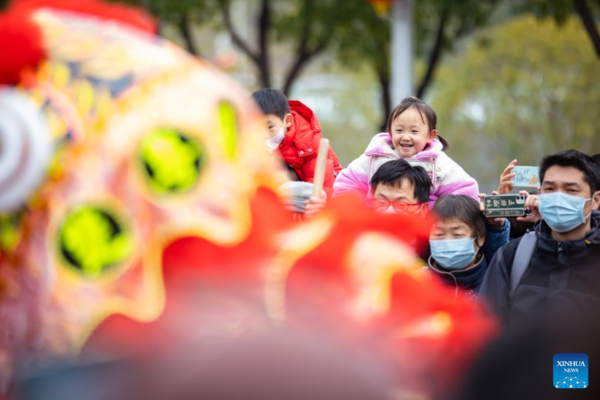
(411, 135)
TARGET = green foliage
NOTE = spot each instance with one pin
(173, 11)
(464, 17)
(321, 19)
(362, 38)
(558, 10)
(533, 89)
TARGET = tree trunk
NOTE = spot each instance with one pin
(264, 24)
(436, 53)
(303, 59)
(259, 58)
(293, 74)
(383, 77)
(305, 54)
(589, 23)
(184, 29)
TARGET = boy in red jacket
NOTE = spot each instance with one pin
(295, 132)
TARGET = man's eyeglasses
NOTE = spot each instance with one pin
(398, 206)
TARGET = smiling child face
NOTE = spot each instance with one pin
(410, 133)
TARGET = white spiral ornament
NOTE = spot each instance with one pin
(25, 148)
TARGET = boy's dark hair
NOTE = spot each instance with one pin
(575, 159)
(392, 173)
(427, 115)
(272, 101)
(463, 208)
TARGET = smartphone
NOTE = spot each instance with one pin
(526, 177)
(505, 205)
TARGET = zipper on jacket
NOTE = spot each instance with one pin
(559, 249)
(447, 273)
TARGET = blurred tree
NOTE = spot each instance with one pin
(307, 25)
(519, 90)
(182, 14)
(352, 29)
(365, 41)
(587, 11)
(439, 25)
(353, 32)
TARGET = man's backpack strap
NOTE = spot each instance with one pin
(522, 259)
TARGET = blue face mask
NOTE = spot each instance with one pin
(562, 212)
(453, 253)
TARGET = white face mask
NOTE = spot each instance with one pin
(273, 142)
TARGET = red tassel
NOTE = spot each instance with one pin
(21, 46)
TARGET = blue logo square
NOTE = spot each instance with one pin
(570, 371)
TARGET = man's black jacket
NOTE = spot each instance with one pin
(562, 277)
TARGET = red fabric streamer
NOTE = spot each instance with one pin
(21, 45)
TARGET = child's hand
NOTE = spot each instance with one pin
(494, 222)
(532, 202)
(506, 186)
(314, 206)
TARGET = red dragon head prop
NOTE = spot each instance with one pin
(136, 201)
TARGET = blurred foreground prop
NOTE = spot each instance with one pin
(140, 219)
(114, 144)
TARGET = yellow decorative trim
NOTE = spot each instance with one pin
(297, 242)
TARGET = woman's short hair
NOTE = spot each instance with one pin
(463, 208)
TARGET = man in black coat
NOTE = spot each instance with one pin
(563, 273)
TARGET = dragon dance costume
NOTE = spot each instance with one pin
(138, 214)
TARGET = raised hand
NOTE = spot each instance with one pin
(506, 186)
(314, 206)
(532, 203)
